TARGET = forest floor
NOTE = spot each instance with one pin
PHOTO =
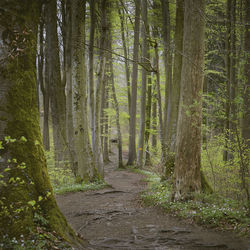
(115, 218)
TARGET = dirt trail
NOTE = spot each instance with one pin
(113, 218)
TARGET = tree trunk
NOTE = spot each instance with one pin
(116, 105)
(168, 68)
(57, 88)
(125, 52)
(104, 115)
(91, 69)
(231, 77)
(158, 91)
(85, 166)
(145, 62)
(69, 87)
(19, 120)
(148, 119)
(154, 119)
(187, 176)
(176, 74)
(44, 82)
(246, 93)
(132, 112)
(100, 78)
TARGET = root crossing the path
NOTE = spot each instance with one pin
(114, 218)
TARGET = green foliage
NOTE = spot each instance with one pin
(64, 181)
(225, 177)
(212, 210)
(40, 239)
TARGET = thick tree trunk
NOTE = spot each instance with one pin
(57, 88)
(145, 62)
(19, 120)
(187, 176)
(132, 112)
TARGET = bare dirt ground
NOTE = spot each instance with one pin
(114, 218)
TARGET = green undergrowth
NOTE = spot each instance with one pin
(64, 181)
(40, 239)
(211, 210)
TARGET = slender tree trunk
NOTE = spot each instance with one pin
(124, 45)
(100, 78)
(91, 68)
(154, 119)
(176, 74)
(116, 106)
(187, 175)
(158, 91)
(86, 167)
(19, 119)
(168, 67)
(132, 113)
(104, 115)
(44, 82)
(69, 87)
(246, 93)
(145, 61)
(57, 88)
(148, 119)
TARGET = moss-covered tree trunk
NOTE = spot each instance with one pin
(187, 175)
(25, 188)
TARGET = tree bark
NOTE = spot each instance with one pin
(116, 106)
(148, 118)
(69, 86)
(57, 88)
(97, 150)
(85, 166)
(91, 69)
(132, 113)
(44, 81)
(19, 120)
(125, 52)
(246, 93)
(145, 62)
(168, 68)
(176, 74)
(187, 176)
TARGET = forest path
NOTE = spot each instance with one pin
(114, 218)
